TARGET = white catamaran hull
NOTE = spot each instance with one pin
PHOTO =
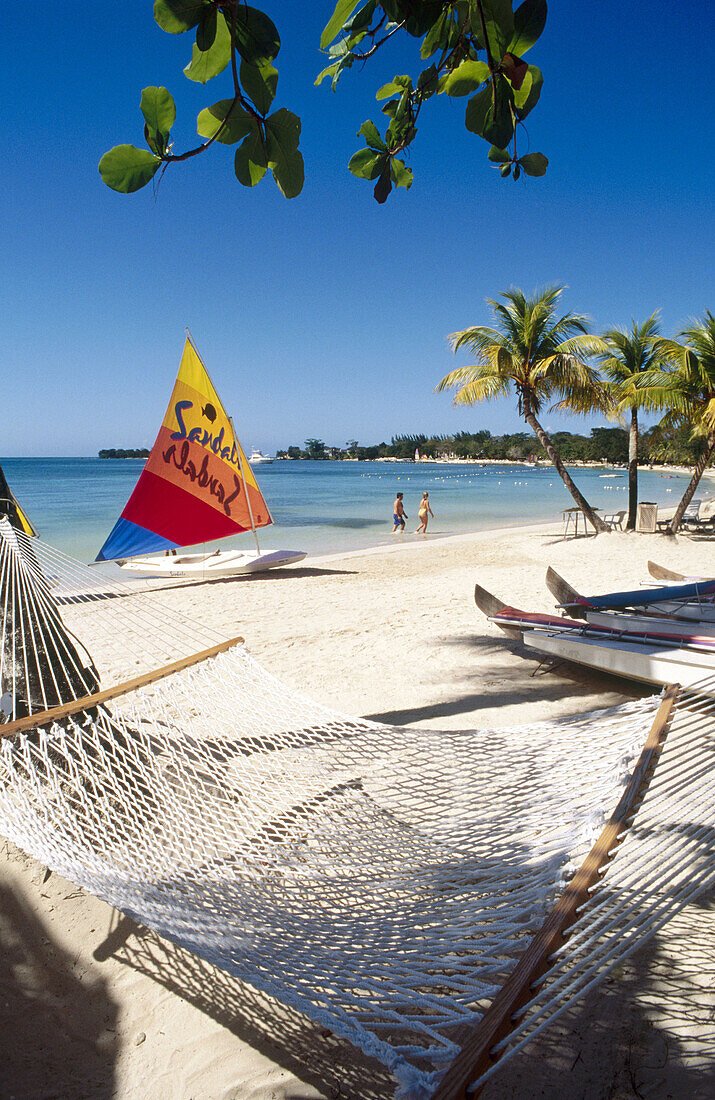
(650, 664)
(222, 563)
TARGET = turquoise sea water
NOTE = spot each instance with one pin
(324, 507)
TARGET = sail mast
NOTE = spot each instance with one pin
(243, 479)
(240, 462)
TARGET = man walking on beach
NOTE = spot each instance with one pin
(398, 513)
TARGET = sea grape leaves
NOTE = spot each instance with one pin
(251, 160)
(159, 110)
(475, 49)
(260, 83)
(207, 62)
(529, 22)
(238, 122)
(284, 158)
(126, 168)
(177, 16)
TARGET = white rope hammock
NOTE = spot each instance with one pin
(385, 881)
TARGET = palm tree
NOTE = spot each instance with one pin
(687, 391)
(535, 353)
(623, 358)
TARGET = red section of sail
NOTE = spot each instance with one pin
(176, 515)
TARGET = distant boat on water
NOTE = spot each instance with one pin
(257, 458)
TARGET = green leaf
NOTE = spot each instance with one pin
(257, 39)
(384, 183)
(284, 158)
(330, 70)
(498, 156)
(534, 164)
(367, 163)
(388, 89)
(529, 22)
(361, 19)
(370, 132)
(251, 160)
(159, 110)
(260, 83)
(528, 95)
(435, 37)
(499, 21)
(343, 11)
(496, 127)
(177, 16)
(505, 170)
(466, 78)
(206, 30)
(427, 82)
(126, 168)
(206, 64)
(239, 122)
(400, 175)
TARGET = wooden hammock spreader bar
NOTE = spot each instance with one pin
(87, 702)
(475, 1058)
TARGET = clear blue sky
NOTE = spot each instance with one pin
(327, 316)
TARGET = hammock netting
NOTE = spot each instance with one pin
(384, 881)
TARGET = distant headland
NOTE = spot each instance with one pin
(122, 452)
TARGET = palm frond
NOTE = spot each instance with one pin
(481, 389)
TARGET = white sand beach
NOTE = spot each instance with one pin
(91, 1005)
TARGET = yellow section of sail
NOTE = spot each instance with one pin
(24, 522)
(196, 407)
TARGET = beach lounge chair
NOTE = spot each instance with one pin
(689, 515)
(704, 518)
(616, 520)
(389, 883)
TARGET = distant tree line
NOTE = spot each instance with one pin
(603, 444)
(121, 452)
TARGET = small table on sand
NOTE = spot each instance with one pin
(572, 523)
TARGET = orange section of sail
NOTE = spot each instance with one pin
(202, 472)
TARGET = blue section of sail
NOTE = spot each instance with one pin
(645, 596)
(127, 539)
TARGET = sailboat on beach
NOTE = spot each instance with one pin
(12, 511)
(197, 486)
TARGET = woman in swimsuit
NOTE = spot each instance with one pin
(424, 513)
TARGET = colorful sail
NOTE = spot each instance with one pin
(12, 510)
(197, 484)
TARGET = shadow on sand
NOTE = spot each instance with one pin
(648, 1030)
(545, 680)
(57, 1023)
(314, 1055)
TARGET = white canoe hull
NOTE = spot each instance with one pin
(662, 664)
(223, 563)
(688, 632)
(692, 612)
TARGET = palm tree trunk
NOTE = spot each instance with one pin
(703, 462)
(632, 471)
(563, 473)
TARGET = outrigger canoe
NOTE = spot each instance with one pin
(642, 648)
(694, 601)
